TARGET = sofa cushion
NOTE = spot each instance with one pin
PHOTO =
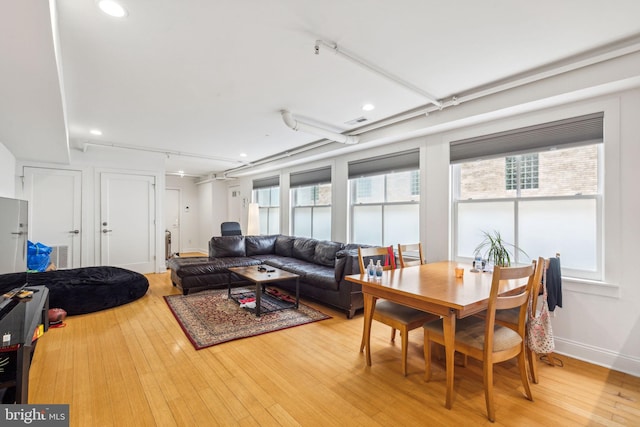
(188, 267)
(226, 246)
(284, 245)
(260, 245)
(304, 248)
(325, 253)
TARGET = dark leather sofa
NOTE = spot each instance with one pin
(320, 264)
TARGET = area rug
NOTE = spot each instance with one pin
(209, 318)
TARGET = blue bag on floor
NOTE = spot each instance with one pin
(38, 256)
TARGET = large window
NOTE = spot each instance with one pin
(266, 193)
(385, 199)
(311, 204)
(543, 202)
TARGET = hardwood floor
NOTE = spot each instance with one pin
(133, 366)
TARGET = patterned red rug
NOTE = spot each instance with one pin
(209, 318)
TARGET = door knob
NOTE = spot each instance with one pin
(75, 231)
(105, 231)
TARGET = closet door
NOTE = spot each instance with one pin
(55, 209)
(127, 221)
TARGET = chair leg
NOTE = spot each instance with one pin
(427, 356)
(393, 334)
(487, 369)
(362, 343)
(533, 365)
(524, 376)
(404, 334)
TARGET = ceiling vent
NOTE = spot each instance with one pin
(360, 119)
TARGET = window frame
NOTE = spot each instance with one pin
(353, 194)
(597, 275)
(294, 206)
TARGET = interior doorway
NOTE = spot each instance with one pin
(172, 220)
(127, 221)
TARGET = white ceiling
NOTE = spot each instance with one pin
(209, 77)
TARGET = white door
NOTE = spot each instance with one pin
(172, 218)
(55, 201)
(127, 221)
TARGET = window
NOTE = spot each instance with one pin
(552, 200)
(385, 199)
(266, 193)
(311, 203)
(521, 172)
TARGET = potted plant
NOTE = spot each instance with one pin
(495, 250)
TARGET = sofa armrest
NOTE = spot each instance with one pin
(346, 263)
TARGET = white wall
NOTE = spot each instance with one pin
(7, 172)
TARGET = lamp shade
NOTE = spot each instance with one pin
(253, 220)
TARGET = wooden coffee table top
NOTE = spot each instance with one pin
(253, 274)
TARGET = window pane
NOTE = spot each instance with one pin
(565, 226)
(274, 221)
(485, 179)
(567, 172)
(324, 195)
(367, 225)
(401, 187)
(304, 196)
(401, 224)
(369, 189)
(264, 220)
(476, 218)
(275, 196)
(302, 222)
(322, 223)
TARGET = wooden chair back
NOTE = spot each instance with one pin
(406, 261)
(532, 273)
(377, 253)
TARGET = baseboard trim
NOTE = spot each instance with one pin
(598, 356)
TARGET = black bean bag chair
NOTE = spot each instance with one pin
(83, 290)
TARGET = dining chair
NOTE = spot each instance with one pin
(509, 318)
(398, 316)
(230, 228)
(408, 261)
(484, 339)
(532, 357)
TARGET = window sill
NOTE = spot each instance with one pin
(590, 287)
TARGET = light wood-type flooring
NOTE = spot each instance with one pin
(133, 366)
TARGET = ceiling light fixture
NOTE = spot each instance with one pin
(368, 107)
(112, 8)
(374, 68)
(304, 127)
(96, 132)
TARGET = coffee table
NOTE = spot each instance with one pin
(260, 275)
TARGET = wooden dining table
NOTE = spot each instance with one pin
(433, 288)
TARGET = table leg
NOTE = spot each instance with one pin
(258, 297)
(297, 292)
(369, 308)
(449, 330)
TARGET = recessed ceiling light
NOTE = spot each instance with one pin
(368, 107)
(112, 8)
(243, 154)
(96, 132)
